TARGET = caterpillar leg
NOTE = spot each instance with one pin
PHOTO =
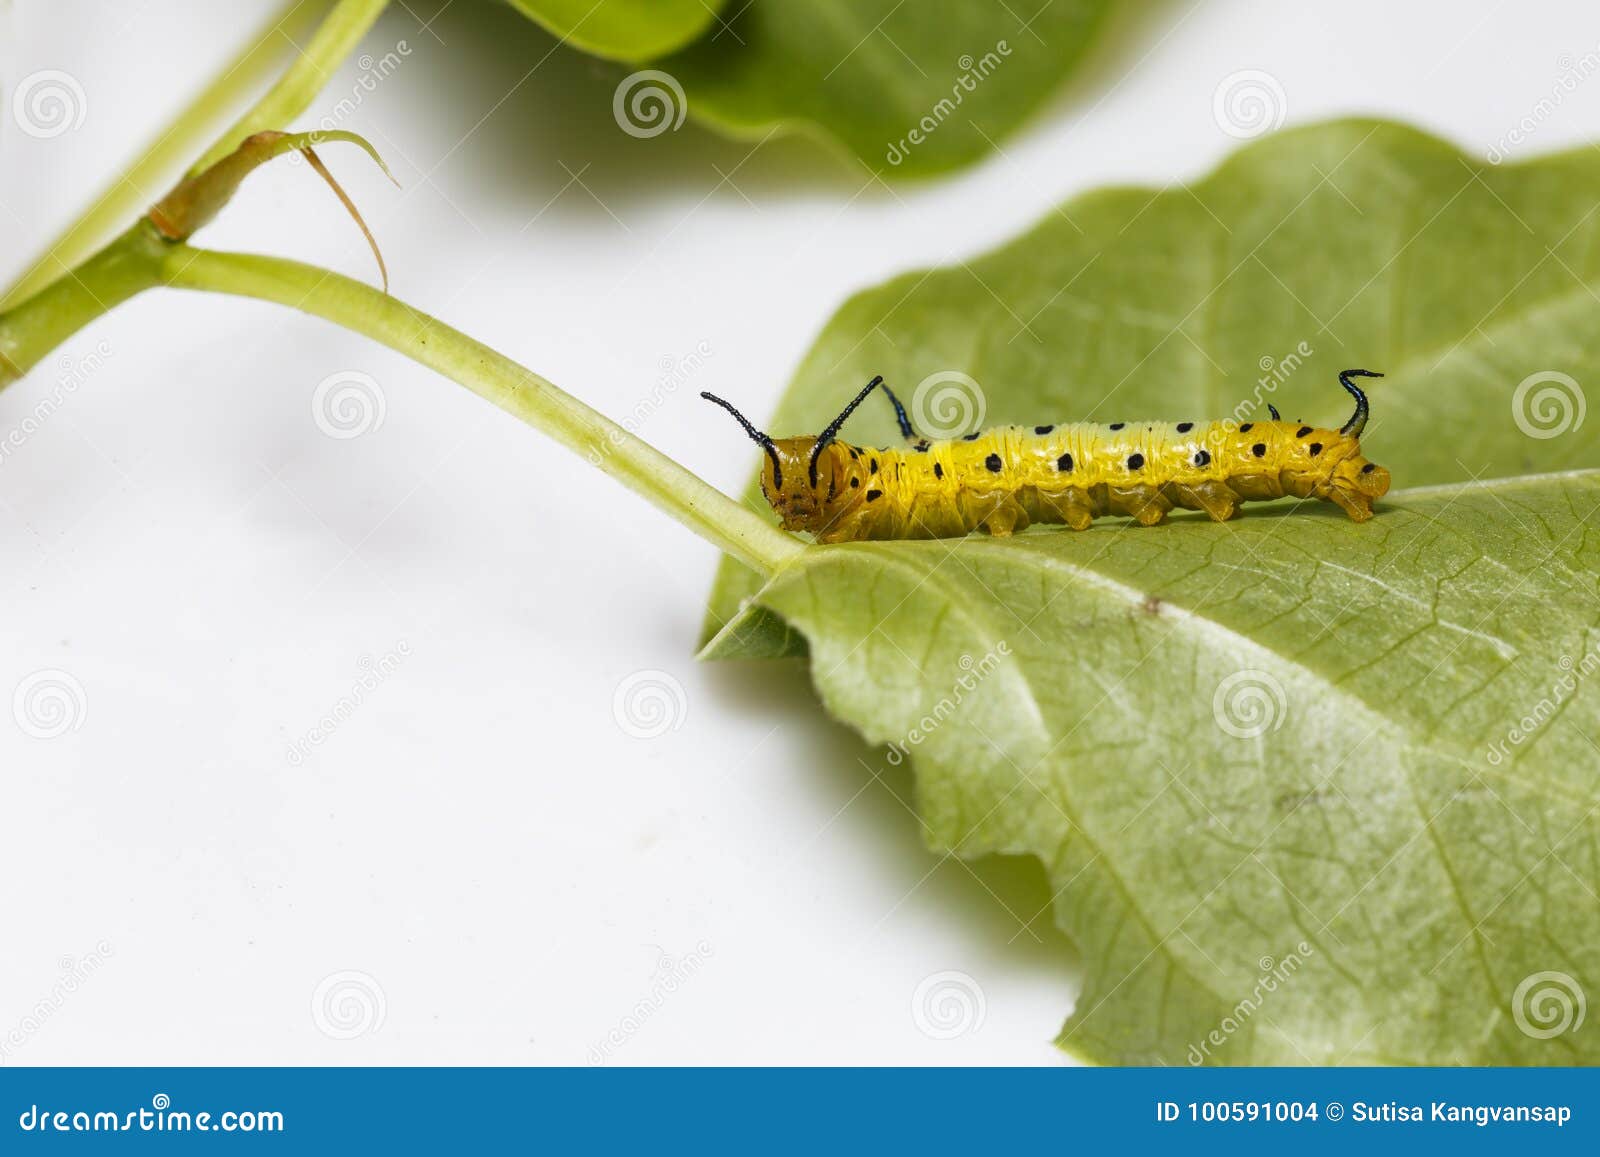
(1357, 506)
(1212, 497)
(1151, 515)
(1006, 519)
(1071, 506)
(1147, 504)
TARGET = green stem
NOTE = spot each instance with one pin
(496, 378)
(336, 39)
(137, 188)
(28, 332)
(43, 310)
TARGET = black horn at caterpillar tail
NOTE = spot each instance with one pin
(1007, 477)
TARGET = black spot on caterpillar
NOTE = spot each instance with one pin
(1003, 479)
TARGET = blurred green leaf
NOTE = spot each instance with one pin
(623, 29)
(1309, 791)
(908, 86)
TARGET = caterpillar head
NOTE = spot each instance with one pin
(1326, 458)
(1357, 474)
(805, 479)
(804, 500)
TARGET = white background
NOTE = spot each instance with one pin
(507, 869)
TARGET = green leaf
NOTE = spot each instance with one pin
(1308, 790)
(1370, 243)
(623, 29)
(1255, 761)
(912, 87)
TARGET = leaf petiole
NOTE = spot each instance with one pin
(491, 375)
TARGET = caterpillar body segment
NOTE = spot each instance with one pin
(1003, 479)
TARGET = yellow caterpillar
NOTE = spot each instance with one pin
(1001, 480)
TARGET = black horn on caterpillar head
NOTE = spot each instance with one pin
(832, 431)
(1358, 420)
(756, 436)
